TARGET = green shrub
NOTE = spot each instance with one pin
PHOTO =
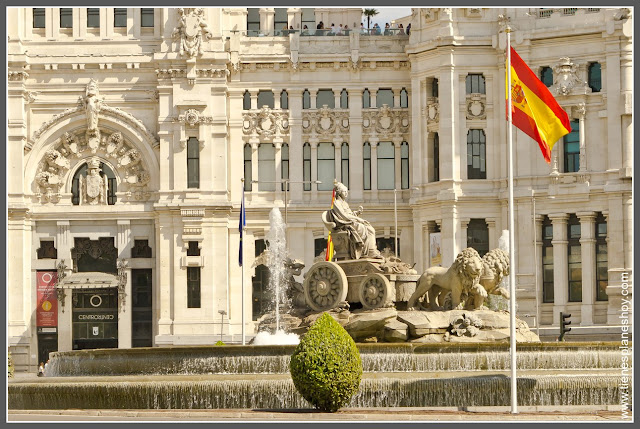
(10, 368)
(219, 343)
(326, 367)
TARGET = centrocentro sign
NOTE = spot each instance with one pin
(95, 317)
(47, 308)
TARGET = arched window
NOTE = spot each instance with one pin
(384, 96)
(344, 164)
(284, 164)
(265, 98)
(404, 98)
(404, 164)
(112, 184)
(366, 99)
(326, 166)
(344, 99)
(306, 166)
(386, 165)
(246, 100)
(306, 99)
(325, 96)
(247, 167)
(266, 167)
(366, 165)
(284, 99)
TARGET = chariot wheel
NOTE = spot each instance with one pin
(375, 291)
(325, 286)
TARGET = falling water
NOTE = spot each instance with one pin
(277, 256)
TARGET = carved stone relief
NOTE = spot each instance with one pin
(476, 106)
(386, 121)
(93, 188)
(565, 78)
(266, 123)
(192, 117)
(325, 122)
(433, 109)
(191, 31)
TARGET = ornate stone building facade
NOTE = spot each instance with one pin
(130, 130)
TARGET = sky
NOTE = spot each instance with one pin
(387, 14)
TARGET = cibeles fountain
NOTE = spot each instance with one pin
(377, 297)
(426, 340)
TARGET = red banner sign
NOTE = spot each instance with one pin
(47, 310)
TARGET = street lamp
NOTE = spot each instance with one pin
(286, 189)
(395, 214)
(222, 314)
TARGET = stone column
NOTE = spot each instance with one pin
(267, 15)
(493, 240)
(374, 98)
(137, 24)
(165, 245)
(295, 145)
(279, 195)
(55, 20)
(538, 266)
(294, 17)
(82, 21)
(337, 158)
(374, 167)
(314, 167)
(588, 251)
(464, 227)
(581, 112)
(560, 264)
(397, 141)
(419, 144)
(396, 97)
(125, 323)
(107, 16)
(449, 233)
(449, 151)
(254, 99)
(612, 75)
(254, 162)
(626, 66)
(356, 185)
(312, 99)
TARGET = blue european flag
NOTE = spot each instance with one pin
(242, 224)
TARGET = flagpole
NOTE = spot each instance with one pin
(512, 265)
(244, 228)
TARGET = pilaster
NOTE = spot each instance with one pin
(588, 259)
(560, 264)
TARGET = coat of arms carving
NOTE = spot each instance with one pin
(191, 31)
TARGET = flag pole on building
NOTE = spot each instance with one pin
(242, 227)
(512, 265)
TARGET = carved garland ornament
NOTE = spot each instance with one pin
(386, 121)
(192, 117)
(325, 122)
(266, 123)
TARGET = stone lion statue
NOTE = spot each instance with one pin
(496, 267)
(462, 277)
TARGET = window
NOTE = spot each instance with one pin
(344, 99)
(266, 167)
(434, 87)
(547, 260)
(326, 166)
(193, 163)
(404, 98)
(193, 249)
(120, 17)
(253, 21)
(142, 306)
(476, 156)
(404, 164)
(436, 157)
(104, 170)
(366, 165)
(602, 259)
(344, 164)
(309, 17)
(66, 17)
(319, 246)
(193, 287)
(280, 22)
(366, 99)
(475, 84)
(386, 166)
(546, 76)
(478, 236)
(93, 17)
(325, 97)
(575, 259)
(306, 99)
(284, 164)
(38, 17)
(306, 166)
(284, 99)
(388, 244)
(572, 148)
(47, 250)
(146, 17)
(265, 98)
(595, 77)
(384, 96)
(246, 101)
(247, 167)
(141, 249)
(262, 296)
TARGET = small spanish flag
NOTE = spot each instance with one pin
(329, 252)
(535, 111)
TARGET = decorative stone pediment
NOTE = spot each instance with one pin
(191, 31)
(386, 121)
(266, 123)
(476, 106)
(325, 122)
(566, 80)
(193, 117)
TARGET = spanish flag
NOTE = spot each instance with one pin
(329, 252)
(535, 111)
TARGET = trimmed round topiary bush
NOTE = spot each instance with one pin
(326, 367)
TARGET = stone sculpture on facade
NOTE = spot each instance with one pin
(93, 188)
(191, 31)
(92, 103)
(565, 78)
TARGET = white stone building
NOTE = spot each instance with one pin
(129, 131)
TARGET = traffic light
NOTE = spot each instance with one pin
(564, 323)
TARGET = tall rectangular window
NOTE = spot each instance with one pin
(38, 17)
(93, 17)
(308, 17)
(193, 287)
(434, 87)
(575, 259)
(547, 260)
(193, 163)
(66, 17)
(572, 148)
(284, 165)
(325, 97)
(146, 17)
(247, 167)
(478, 236)
(280, 23)
(120, 17)
(253, 21)
(595, 77)
(344, 164)
(193, 249)
(386, 166)
(602, 259)
(266, 98)
(366, 166)
(546, 76)
(384, 96)
(319, 246)
(476, 155)
(266, 167)
(326, 166)
(404, 164)
(306, 166)
(475, 83)
(436, 157)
